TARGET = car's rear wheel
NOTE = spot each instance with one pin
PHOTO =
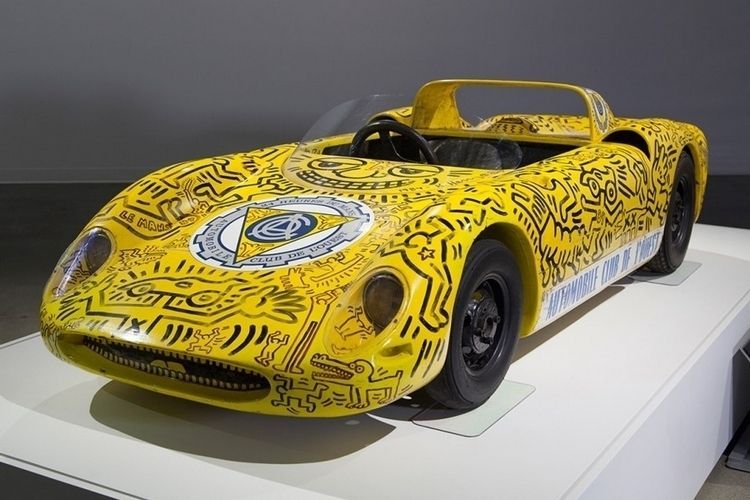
(484, 328)
(678, 225)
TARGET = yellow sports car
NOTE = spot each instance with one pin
(399, 247)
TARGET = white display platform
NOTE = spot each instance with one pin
(637, 394)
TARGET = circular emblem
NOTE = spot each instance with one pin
(282, 227)
(280, 232)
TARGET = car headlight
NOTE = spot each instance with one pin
(382, 299)
(82, 259)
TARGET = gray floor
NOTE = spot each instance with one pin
(39, 220)
(725, 484)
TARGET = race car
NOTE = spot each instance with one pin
(392, 249)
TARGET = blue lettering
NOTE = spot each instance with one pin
(596, 279)
(625, 260)
(610, 268)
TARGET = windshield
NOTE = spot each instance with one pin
(332, 133)
(350, 116)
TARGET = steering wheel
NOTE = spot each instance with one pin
(384, 128)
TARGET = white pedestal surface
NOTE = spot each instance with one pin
(637, 394)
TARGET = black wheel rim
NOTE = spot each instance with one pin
(680, 220)
(483, 324)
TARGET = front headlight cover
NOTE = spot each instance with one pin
(379, 295)
(81, 260)
(382, 298)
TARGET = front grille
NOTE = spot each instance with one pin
(177, 366)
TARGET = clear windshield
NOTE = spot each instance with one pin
(350, 116)
(332, 133)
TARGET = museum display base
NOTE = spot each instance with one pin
(638, 392)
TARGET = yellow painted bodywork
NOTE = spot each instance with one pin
(302, 327)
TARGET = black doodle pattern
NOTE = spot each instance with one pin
(303, 327)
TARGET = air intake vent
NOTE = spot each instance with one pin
(181, 367)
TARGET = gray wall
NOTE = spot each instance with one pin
(105, 90)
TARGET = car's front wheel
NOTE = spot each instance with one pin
(679, 223)
(484, 328)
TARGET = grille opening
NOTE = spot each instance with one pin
(183, 367)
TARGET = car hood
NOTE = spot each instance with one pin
(272, 211)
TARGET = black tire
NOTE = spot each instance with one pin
(478, 355)
(678, 225)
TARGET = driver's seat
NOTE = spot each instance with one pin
(473, 153)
